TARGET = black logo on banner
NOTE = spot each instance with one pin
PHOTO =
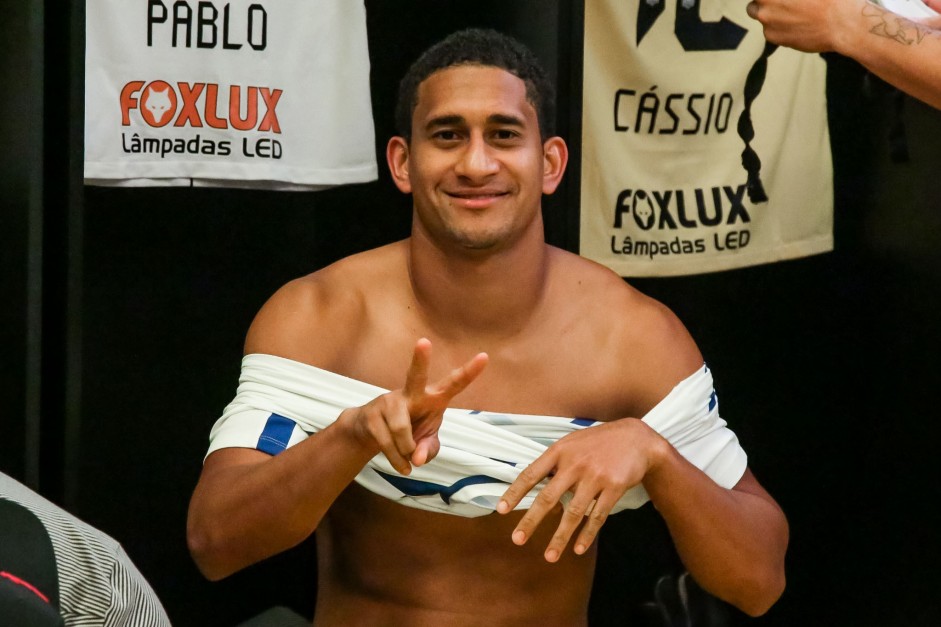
(692, 33)
(673, 208)
(210, 28)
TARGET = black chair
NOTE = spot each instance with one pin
(680, 602)
(29, 578)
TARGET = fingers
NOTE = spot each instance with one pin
(592, 501)
(547, 499)
(394, 442)
(411, 417)
(459, 378)
(587, 509)
(416, 380)
(426, 450)
(528, 478)
(399, 426)
(596, 515)
(752, 10)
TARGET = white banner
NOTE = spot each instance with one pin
(266, 93)
(664, 189)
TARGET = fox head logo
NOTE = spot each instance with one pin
(643, 212)
(159, 104)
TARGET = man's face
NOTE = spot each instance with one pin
(476, 165)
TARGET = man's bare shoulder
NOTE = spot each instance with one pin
(315, 317)
(644, 340)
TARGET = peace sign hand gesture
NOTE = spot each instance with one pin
(404, 423)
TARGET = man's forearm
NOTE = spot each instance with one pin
(732, 541)
(251, 506)
(902, 52)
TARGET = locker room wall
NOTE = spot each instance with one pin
(824, 365)
(14, 217)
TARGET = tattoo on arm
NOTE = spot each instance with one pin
(891, 26)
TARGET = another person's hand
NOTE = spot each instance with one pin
(404, 423)
(597, 465)
(831, 25)
(807, 25)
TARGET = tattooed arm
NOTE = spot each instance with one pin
(903, 52)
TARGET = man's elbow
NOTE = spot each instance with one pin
(761, 593)
(206, 553)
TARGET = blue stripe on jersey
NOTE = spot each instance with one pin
(276, 434)
(414, 487)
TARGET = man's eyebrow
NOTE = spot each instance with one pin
(505, 120)
(445, 120)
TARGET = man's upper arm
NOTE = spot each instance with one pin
(276, 330)
(662, 351)
(311, 320)
(230, 458)
(279, 327)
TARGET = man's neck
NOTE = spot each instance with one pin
(477, 294)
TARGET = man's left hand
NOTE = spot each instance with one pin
(597, 465)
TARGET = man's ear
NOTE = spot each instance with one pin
(397, 157)
(555, 156)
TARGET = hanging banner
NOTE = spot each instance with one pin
(663, 187)
(258, 93)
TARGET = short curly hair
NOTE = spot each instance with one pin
(476, 46)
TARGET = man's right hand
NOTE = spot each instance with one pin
(404, 423)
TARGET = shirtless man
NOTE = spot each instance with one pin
(532, 329)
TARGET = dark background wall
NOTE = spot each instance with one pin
(15, 185)
(825, 365)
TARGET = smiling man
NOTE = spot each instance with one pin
(345, 420)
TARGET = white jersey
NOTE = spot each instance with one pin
(242, 93)
(694, 160)
(281, 402)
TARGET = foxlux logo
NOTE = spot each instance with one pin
(197, 105)
(666, 209)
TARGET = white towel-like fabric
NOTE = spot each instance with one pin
(281, 402)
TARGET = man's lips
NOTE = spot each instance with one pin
(476, 198)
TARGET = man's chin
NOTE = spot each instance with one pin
(472, 246)
(480, 244)
(476, 240)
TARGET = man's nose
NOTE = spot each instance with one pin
(477, 160)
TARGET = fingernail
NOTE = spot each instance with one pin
(519, 537)
(552, 555)
(503, 507)
(579, 549)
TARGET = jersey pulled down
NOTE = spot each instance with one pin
(240, 93)
(281, 402)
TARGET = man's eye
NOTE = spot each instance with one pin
(446, 135)
(505, 134)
